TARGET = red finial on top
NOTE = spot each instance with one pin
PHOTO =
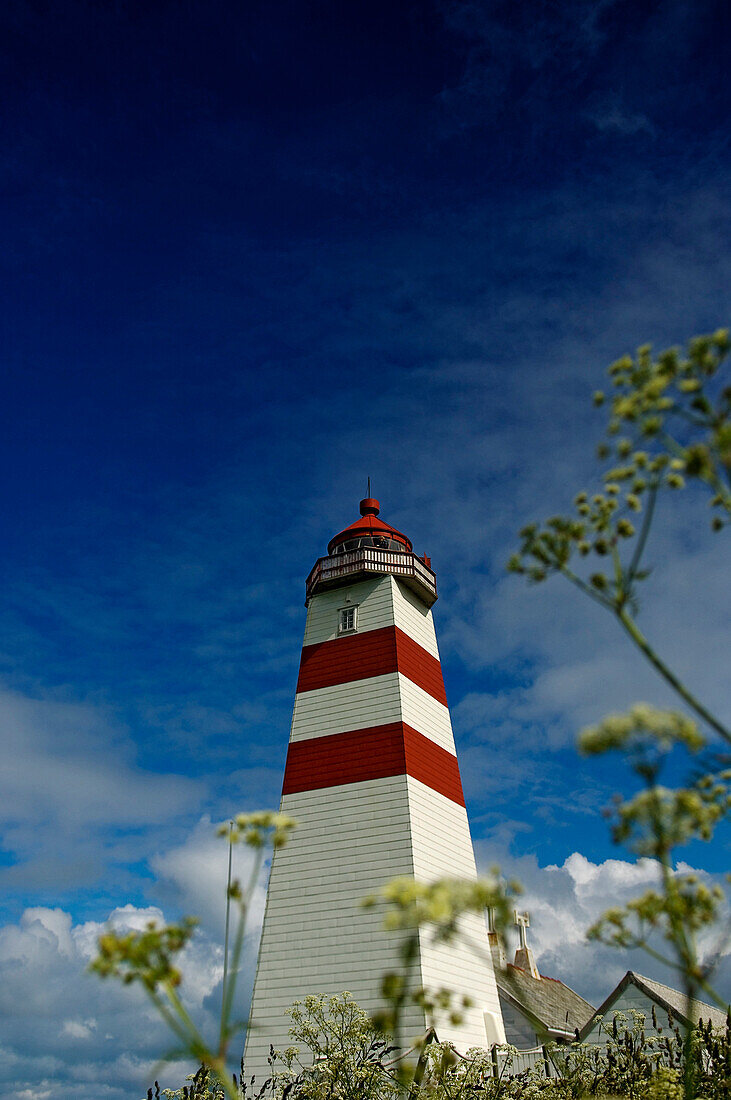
(371, 531)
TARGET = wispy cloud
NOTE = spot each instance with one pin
(73, 799)
(613, 116)
(186, 625)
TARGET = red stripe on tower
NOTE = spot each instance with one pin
(374, 653)
(361, 755)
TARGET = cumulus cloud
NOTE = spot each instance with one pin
(82, 1037)
(564, 900)
(66, 1031)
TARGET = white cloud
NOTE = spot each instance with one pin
(567, 663)
(78, 1029)
(74, 766)
(67, 1030)
(564, 900)
(194, 874)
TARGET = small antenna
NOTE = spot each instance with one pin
(369, 488)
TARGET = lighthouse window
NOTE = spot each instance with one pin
(346, 620)
(381, 542)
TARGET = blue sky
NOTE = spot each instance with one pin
(253, 254)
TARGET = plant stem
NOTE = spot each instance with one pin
(586, 589)
(238, 944)
(634, 565)
(668, 675)
(421, 1064)
(225, 939)
(175, 1026)
(184, 1016)
(197, 1045)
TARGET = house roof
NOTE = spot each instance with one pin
(548, 1001)
(671, 1000)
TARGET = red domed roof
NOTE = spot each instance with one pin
(369, 524)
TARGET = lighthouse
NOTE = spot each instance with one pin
(373, 781)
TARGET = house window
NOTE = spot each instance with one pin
(346, 620)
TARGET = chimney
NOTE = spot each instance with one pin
(497, 944)
(524, 956)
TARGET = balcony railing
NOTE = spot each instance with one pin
(332, 571)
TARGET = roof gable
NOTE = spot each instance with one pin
(669, 999)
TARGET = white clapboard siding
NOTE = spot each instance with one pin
(373, 598)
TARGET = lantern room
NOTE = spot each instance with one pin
(368, 546)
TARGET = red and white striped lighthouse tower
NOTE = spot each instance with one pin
(372, 778)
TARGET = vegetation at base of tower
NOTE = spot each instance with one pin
(669, 428)
(337, 1054)
(151, 959)
(335, 1051)
(204, 1085)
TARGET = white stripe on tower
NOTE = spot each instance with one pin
(376, 701)
(372, 778)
